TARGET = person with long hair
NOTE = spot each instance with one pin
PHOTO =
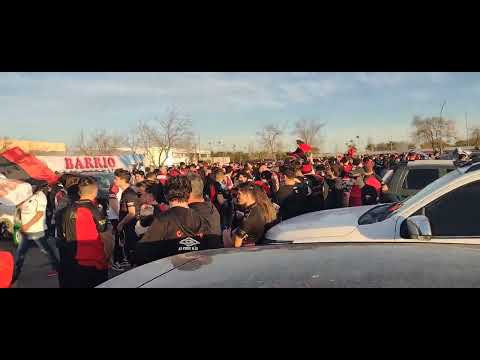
(259, 216)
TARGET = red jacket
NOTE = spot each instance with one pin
(355, 196)
(373, 181)
(6, 269)
(348, 168)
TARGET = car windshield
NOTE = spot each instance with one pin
(384, 211)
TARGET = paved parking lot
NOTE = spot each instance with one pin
(36, 268)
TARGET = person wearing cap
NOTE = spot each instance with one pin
(302, 150)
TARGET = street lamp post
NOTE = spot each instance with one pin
(441, 111)
(466, 128)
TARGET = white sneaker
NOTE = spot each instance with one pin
(117, 267)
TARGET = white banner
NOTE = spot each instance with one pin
(14, 192)
(89, 163)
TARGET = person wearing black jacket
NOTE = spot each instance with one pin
(87, 240)
(176, 231)
(156, 188)
(219, 196)
(292, 197)
(206, 210)
(334, 198)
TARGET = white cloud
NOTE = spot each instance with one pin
(308, 90)
(421, 95)
(382, 79)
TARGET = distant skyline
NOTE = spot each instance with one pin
(233, 106)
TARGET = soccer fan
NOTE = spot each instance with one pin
(129, 209)
(259, 216)
(178, 230)
(205, 209)
(119, 258)
(33, 230)
(292, 197)
(88, 244)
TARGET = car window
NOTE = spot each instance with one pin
(387, 177)
(456, 213)
(433, 187)
(417, 179)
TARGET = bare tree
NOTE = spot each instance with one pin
(143, 139)
(157, 138)
(435, 131)
(475, 137)
(81, 146)
(175, 130)
(270, 138)
(309, 131)
(99, 142)
(370, 144)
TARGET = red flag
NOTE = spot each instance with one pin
(6, 269)
(305, 148)
(352, 152)
(18, 165)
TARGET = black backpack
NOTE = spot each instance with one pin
(190, 241)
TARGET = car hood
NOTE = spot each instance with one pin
(313, 265)
(321, 224)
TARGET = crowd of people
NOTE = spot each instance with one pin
(153, 213)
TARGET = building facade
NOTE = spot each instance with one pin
(156, 156)
(33, 146)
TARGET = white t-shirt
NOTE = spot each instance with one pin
(37, 203)
(112, 215)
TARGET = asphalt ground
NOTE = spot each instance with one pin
(36, 268)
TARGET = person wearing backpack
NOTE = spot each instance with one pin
(293, 194)
(175, 231)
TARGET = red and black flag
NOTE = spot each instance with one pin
(15, 164)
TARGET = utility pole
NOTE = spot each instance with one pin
(198, 157)
(466, 128)
(441, 111)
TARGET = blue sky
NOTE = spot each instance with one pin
(232, 106)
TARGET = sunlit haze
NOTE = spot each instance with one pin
(233, 106)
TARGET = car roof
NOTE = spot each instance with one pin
(314, 265)
(430, 163)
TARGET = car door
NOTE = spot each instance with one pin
(416, 179)
(454, 217)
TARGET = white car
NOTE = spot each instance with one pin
(446, 211)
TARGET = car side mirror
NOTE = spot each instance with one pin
(6, 269)
(419, 227)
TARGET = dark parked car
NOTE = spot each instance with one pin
(313, 265)
(411, 177)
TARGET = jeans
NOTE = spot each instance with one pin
(45, 247)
